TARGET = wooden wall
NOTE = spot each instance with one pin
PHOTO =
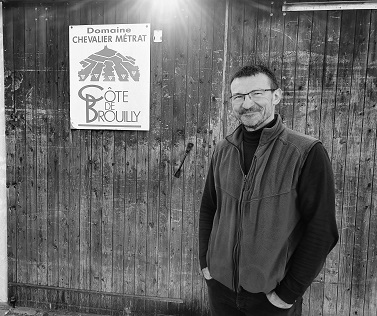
(98, 223)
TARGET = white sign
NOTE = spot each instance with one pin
(109, 76)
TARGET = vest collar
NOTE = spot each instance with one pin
(268, 134)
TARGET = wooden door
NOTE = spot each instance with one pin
(97, 221)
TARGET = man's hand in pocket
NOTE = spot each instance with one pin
(277, 301)
(206, 273)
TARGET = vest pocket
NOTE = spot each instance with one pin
(293, 241)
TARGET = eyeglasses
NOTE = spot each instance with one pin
(254, 95)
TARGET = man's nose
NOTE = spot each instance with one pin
(248, 103)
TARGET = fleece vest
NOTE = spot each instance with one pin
(257, 224)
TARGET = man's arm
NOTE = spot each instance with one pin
(207, 213)
(316, 194)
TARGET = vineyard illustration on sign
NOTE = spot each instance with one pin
(108, 63)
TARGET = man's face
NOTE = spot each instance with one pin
(257, 111)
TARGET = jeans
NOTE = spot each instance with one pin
(225, 302)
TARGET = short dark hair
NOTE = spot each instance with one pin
(252, 70)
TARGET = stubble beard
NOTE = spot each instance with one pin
(252, 128)
(258, 124)
(264, 120)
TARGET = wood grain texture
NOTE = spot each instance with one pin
(344, 168)
(178, 151)
(10, 131)
(41, 146)
(97, 188)
(236, 38)
(20, 169)
(370, 305)
(291, 26)
(276, 42)
(311, 123)
(154, 162)
(356, 131)
(98, 223)
(190, 275)
(30, 143)
(166, 168)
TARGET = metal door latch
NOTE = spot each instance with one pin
(177, 174)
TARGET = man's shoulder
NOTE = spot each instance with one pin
(299, 140)
(296, 136)
(223, 144)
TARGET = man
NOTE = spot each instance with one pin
(267, 217)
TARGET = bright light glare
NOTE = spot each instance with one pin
(167, 2)
(169, 5)
(170, 12)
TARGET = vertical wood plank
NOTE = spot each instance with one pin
(10, 131)
(119, 198)
(142, 194)
(41, 144)
(96, 210)
(250, 29)
(131, 190)
(62, 123)
(81, 15)
(119, 212)
(316, 71)
(141, 211)
(154, 159)
(332, 42)
(30, 110)
(313, 110)
(74, 191)
(202, 141)
(53, 151)
(85, 216)
(276, 42)
(130, 211)
(288, 71)
(178, 150)
(74, 210)
(313, 299)
(8, 20)
(356, 133)
(370, 304)
(166, 167)
(20, 159)
(345, 174)
(236, 35)
(107, 211)
(263, 32)
(190, 277)
(217, 102)
(301, 74)
(108, 186)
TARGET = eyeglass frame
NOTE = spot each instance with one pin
(248, 94)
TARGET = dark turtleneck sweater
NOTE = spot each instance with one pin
(316, 198)
(250, 144)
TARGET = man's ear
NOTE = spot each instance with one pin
(277, 96)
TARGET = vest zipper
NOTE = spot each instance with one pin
(236, 249)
